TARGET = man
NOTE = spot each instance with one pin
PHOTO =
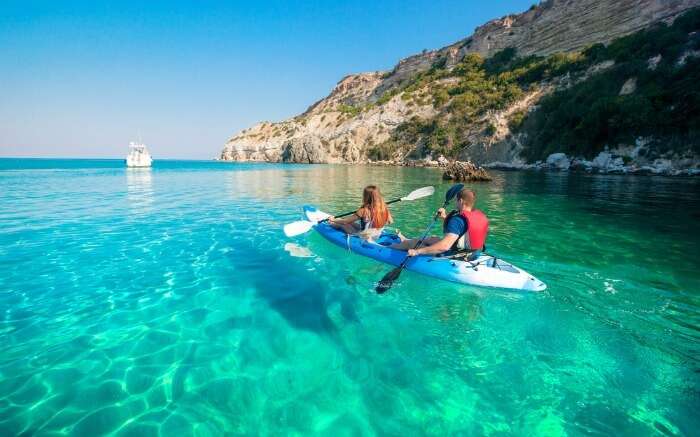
(464, 229)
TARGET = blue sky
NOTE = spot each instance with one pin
(83, 78)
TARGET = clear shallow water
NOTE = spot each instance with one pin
(162, 301)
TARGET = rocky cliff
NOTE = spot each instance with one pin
(365, 114)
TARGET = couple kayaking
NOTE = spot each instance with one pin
(464, 229)
(457, 256)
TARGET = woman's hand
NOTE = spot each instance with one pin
(442, 213)
(331, 219)
(413, 252)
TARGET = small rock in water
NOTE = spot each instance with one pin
(298, 251)
(465, 172)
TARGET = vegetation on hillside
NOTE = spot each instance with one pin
(584, 118)
(580, 119)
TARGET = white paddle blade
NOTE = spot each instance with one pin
(297, 228)
(419, 193)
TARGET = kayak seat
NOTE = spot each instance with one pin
(387, 239)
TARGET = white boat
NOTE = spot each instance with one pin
(138, 156)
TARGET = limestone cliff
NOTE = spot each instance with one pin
(364, 110)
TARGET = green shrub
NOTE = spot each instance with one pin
(440, 97)
(516, 120)
(349, 110)
(381, 152)
(387, 96)
(500, 60)
(586, 117)
(490, 129)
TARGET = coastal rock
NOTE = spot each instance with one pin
(508, 165)
(558, 161)
(624, 159)
(602, 160)
(307, 150)
(662, 166)
(581, 164)
(606, 162)
(465, 172)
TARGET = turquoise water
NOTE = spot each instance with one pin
(163, 302)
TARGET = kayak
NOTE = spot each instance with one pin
(485, 271)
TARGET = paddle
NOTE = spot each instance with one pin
(302, 226)
(388, 280)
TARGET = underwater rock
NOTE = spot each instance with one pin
(298, 251)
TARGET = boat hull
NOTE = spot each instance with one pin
(139, 162)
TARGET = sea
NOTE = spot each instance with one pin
(168, 302)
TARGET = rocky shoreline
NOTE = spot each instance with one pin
(632, 160)
(605, 163)
(637, 159)
(581, 165)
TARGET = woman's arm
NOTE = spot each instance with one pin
(344, 221)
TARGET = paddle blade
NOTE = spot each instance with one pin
(388, 280)
(419, 193)
(452, 192)
(297, 228)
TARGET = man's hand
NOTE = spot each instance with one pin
(442, 213)
(413, 252)
(331, 219)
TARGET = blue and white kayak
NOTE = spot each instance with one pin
(485, 271)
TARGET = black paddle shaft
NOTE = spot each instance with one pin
(388, 279)
(425, 235)
(345, 214)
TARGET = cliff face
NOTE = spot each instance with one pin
(364, 110)
(331, 130)
(552, 26)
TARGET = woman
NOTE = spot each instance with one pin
(370, 218)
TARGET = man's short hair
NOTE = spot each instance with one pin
(467, 196)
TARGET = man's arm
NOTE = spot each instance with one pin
(441, 246)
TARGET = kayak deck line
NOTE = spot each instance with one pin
(486, 271)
